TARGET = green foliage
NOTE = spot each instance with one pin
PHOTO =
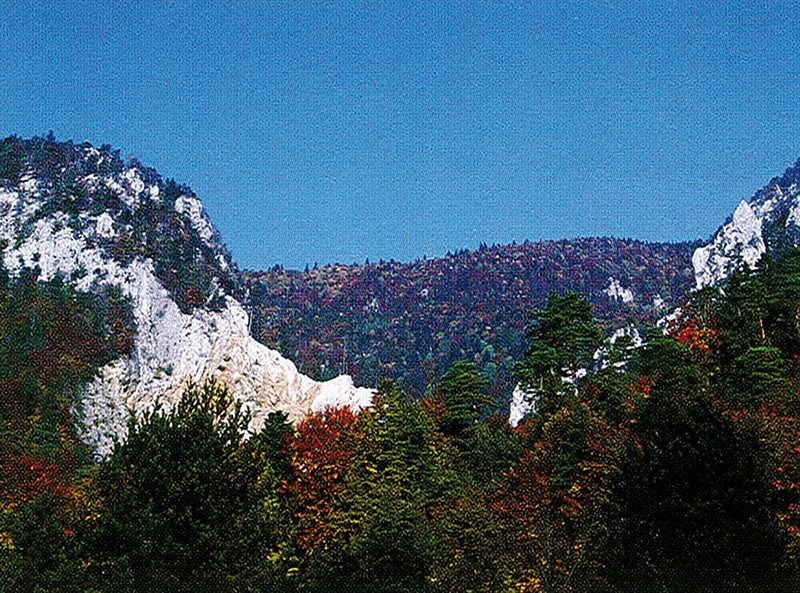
(762, 309)
(563, 338)
(475, 549)
(489, 450)
(38, 552)
(412, 321)
(675, 468)
(12, 166)
(272, 441)
(692, 508)
(566, 325)
(380, 538)
(671, 366)
(757, 376)
(52, 341)
(176, 497)
(195, 271)
(466, 397)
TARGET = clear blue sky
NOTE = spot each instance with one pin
(336, 131)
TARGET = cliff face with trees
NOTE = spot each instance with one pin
(100, 225)
(671, 465)
(411, 322)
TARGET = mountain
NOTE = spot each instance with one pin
(115, 290)
(768, 223)
(83, 216)
(412, 321)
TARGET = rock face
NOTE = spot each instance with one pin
(617, 292)
(769, 222)
(739, 240)
(85, 216)
(173, 348)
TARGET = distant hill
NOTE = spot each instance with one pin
(411, 321)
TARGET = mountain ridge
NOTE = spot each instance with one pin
(82, 214)
(374, 320)
(85, 215)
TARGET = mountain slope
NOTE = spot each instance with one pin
(411, 321)
(84, 215)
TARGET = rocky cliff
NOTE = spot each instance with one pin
(85, 215)
(768, 222)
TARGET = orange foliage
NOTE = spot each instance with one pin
(320, 454)
(23, 480)
(701, 341)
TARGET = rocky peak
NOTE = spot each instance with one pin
(770, 221)
(83, 214)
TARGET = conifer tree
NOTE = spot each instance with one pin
(563, 337)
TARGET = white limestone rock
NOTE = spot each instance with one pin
(617, 292)
(770, 219)
(193, 208)
(739, 240)
(171, 348)
(522, 403)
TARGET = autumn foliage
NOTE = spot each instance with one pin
(320, 451)
(671, 466)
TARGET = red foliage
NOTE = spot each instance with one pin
(193, 295)
(700, 340)
(435, 407)
(639, 389)
(550, 502)
(23, 480)
(320, 454)
(426, 315)
(643, 386)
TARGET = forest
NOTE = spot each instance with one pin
(671, 466)
(412, 321)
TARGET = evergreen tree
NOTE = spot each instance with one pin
(564, 337)
(175, 498)
(692, 508)
(380, 539)
(465, 395)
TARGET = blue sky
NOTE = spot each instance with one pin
(336, 131)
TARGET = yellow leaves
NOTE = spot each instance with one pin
(529, 585)
(6, 542)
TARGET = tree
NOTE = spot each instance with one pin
(272, 442)
(175, 496)
(692, 508)
(551, 503)
(376, 536)
(39, 514)
(564, 337)
(465, 395)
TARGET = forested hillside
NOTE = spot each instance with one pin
(672, 467)
(410, 322)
